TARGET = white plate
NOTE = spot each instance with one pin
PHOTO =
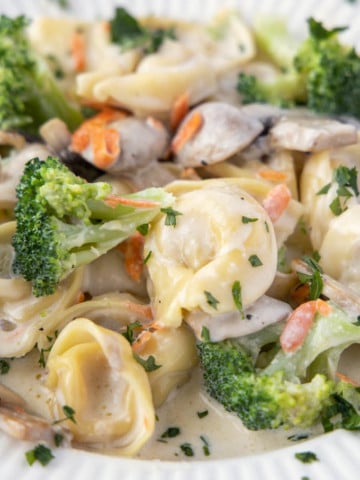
(338, 452)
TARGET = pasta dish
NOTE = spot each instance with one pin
(179, 232)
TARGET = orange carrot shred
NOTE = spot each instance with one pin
(276, 201)
(140, 309)
(78, 50)
(179, 110)
(133, 252)
(187, 131)
(272, 175)
(80, 297)
(114, 200)
(346, 379)
(106, 146)
(299, 323)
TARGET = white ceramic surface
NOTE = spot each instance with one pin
(338, 452)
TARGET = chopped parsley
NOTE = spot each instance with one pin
(4, 366)
(346, 179)
(171, 214)
(147, 258)
(203, 413)
(248, 219)
(236, 294)
(58, 439)
(171, 432)
(127, 32)
(69, 415)
(298, 436)
(206, 446)
(205, 334)
(143, 229)
(40, 453)
(314, 280)
(130, 331)
(211, 300)
(255, 261)
(306, 457)
(187, 449)
(149, 364)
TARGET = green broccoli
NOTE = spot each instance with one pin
(63, 222)
(268, 388)
(29, 94)
(315, 73)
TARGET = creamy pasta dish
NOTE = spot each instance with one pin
(179, 236)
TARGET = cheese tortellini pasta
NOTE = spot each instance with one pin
(92, 369)
(222, 237)
(25, 317)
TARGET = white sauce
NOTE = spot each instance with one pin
(223, 431)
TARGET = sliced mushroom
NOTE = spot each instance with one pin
(224, 131)
(141, 141)
(312, 133)
(265, 311)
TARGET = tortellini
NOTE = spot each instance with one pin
(92, 369)
(222, 238)
(175, 351)
(340, 249)
(24, 318)
(333, 219)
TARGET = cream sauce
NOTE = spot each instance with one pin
(222, 431)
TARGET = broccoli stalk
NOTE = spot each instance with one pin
(319, 73)
(63, 222)
(290, 389)
(29, 94)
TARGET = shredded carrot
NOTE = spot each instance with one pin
(189, 173)
(272, 175)
(187, 131)
(104, 141)
(140, 309)
(300, 294)
(80, 297)
(78, 50)
(114, 200)
(299, 323)
(105, 145)
(145, 337)
(346, 379)
(106, 26)
(133, 249)
(276, 201)
(179, 110)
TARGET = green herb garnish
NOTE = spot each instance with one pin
(211, 300)
(187, 449)
(306, 457)
(127, 32)
(171, 214)
(171, 432)
(4, 366)
(236, 294)
(248, 219)
(130, 331)
(149, 364)
(40, 453)
(255, 261)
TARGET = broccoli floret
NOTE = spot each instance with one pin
(63, 222)
(315, 74)
(29, 94)
(290, 389)
(331, 71)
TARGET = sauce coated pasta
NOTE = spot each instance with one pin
(212, 270)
